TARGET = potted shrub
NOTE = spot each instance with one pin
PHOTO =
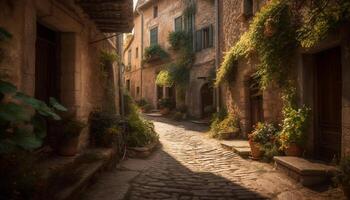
(343, 178)
(69, 139)
(144, 105)
(165, 106)
(109, 137)
(263, 134)
(293, 134)
(225, 128)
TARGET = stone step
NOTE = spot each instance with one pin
(307, 172)
(241, 147)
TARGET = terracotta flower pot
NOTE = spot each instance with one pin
(346, 190)
(293, 150)
(164, 111)
(255, 150)
(69, 147)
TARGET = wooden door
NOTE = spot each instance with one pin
(256, 103)
(46, 66)
(207, 97)
(328, 104)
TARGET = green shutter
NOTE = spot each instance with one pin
(178, 23)
(199, 40)
(154, 36)
(211, 36)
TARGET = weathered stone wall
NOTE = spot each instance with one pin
(235, 96)
(81, 87)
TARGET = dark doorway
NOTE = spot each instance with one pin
(207, 99)
(47, 72)
(160, 94)
(328, 103)
(171, 94)
(256, 103)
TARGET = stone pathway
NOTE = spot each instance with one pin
(189, 165)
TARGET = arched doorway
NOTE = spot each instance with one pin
(207, 98)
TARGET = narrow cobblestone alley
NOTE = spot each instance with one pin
(189, 165)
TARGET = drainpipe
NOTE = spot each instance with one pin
(141, 48)
(217, 51)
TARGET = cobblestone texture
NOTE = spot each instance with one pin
(192, 166)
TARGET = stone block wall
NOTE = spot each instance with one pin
(81, 87)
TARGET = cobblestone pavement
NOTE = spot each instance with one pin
(189, 165)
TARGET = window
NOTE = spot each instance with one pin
(204, 38)
(136, 52)
(128, 85)
(129, 57)
(155, 11)
(247, 8)
(138, 90)
(178, 23)
(188, 23)
(154, 36)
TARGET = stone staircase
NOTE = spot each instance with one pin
(241, 147)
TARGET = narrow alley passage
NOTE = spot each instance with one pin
(189, 165)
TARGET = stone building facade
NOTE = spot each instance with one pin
(162, 16)
(55, 52)
(322, 75)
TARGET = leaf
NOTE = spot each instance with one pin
(26, 139)
(6, 146)
(4, 34)
(55, 104)
(13, 112)
(7, 88)
(40, 128)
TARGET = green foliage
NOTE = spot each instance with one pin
(321, 19)
(72, 128)
(4, 34)
(224, 126)
(166, 103)
(295, 120)
(164, 78)
(20, 129)
(155, 51)
(343, 177)
(267, 136)
(141, 131)
(180, 40)
(177, 116)
(100, 123)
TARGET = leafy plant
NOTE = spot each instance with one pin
(180, 40)
(166, 103)
(100, 123)
(155, 51)
(19, 127)
(225, 126)
(72, 128)
(141, 132)
(164, 78)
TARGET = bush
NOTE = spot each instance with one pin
(267, 136)
(154, 51)
(144, 105)
(141, 131)
(166, 103)
(224, 126)
(178, 116)
(103, 125)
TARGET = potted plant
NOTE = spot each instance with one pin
(263, 134)
(165, 106)
(293, 134)
(343, 177)
(69, 139)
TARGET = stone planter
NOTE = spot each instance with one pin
(255, 150)
(142, 152)
(69, 147)
(293, 150)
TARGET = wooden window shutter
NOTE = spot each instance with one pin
(199, 40)
(178, 23)
(154, 36)
(211, 36)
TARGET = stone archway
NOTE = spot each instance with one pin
(207, 100)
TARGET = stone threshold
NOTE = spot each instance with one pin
(241, 147)
(98, 160)
(307, 172)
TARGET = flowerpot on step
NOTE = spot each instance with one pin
(255, 150)
(293, 150)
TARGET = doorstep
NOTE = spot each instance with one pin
(307, 172)
(241, 147)
(87, 168)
